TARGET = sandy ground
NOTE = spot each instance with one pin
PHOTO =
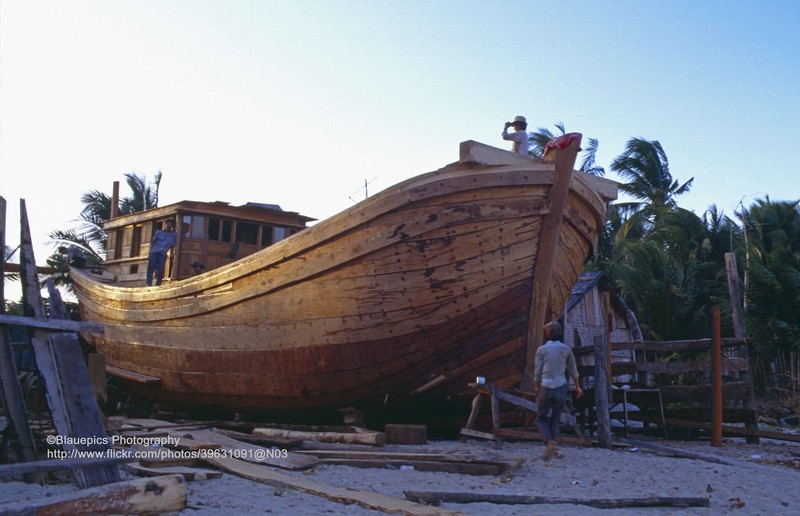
(765, 480)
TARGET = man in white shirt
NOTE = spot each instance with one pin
(553, 360)
(519, 136)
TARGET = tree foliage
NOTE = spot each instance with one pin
(772, 262)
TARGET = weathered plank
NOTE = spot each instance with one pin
(434, 497)
(366, 499)
(489, 468)
(188, 473)
(139, 496)
(257, 454)
(13, 401)
(262, 440)
(52, 324)
(67, 464)
(371, 438)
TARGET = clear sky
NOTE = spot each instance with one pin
(299, 102)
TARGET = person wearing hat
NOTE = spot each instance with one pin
(550, 384)
(519, 136)
(163, 241)
(197, 267)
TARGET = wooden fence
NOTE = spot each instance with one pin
(681, 371)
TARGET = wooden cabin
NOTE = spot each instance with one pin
(585, 318)
(212, 233)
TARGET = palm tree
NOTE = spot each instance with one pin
(772, 261)
(90, 236)
(670, 277)
(645, 164)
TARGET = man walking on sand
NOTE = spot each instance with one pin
(553, 360)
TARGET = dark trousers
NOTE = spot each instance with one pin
(155, 264)
(550, 404)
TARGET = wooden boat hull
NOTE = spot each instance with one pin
(420, 288)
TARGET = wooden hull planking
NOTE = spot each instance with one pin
(428, 282)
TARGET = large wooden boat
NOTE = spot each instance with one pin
(416, 290)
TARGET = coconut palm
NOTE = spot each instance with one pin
(90, 236)
(772, 261)
(670, 277)
(644, 163)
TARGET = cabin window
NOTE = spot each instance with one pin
(227, 230)
(198, 222)
(136, 240)
(186, 226)
(213, 228)
(220, 229)
(247, 233)
(280, 234)
(266, 236)
(192, 226)
(116, 242)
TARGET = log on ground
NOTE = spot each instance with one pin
(436, 498)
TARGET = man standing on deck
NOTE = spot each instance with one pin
(519, 136)
(553, 359)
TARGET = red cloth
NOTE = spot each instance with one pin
(562, 142)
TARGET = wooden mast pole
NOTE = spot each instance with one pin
(547, 250)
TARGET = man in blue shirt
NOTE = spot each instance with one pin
(163, 241)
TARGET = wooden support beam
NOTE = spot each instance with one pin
(140, 496)
(52, 324)
(737, 312)
(601, 399)
(547, 252)
(131, 375)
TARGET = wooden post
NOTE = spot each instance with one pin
(608, 315)
(601, 392)
(114, 212)
(547, 252)
(59, 360)
(739, 332)
(716, 379)
(13, 400)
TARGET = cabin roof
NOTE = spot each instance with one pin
(254, 211)
(589, 280)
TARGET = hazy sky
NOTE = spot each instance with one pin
(299, 103)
